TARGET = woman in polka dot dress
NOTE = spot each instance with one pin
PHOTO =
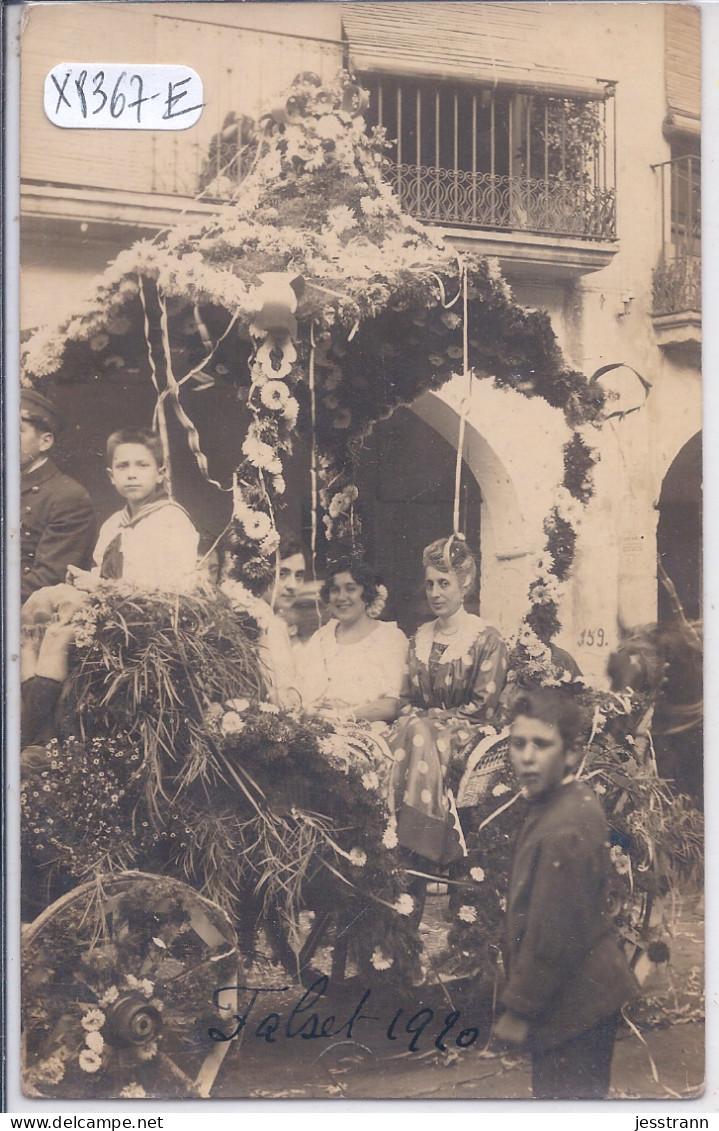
(457, 669)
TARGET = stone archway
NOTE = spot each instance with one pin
(679, 530)
(406, 496)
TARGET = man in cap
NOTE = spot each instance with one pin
(57, 522)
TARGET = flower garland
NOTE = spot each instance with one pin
(314, 261)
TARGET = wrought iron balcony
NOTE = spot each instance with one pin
(677, 285)
(483, 200)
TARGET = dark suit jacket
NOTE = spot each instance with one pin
(566, 971)
(57, 527)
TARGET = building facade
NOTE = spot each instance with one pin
(526, 132)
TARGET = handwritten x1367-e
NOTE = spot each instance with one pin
(123, 96)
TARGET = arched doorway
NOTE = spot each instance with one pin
(679, 531)
(406, 496)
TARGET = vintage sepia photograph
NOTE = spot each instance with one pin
(360, 710)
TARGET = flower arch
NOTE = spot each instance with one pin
(327, 307)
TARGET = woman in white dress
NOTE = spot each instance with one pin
(353, 667)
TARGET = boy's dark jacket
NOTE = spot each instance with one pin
(566, 971)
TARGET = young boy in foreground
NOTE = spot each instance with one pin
(567, 978)
(151, 543)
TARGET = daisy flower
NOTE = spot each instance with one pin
(257, 524)
(133, 1092)
(357, 857)
(405, 904)
(380, 960)
(89, 1061)
(231, 723)
(93, 1020)
(467, 914)
(389, 840)
(274, 395)
(146, 1052)
(95, 1041)
(477, 874)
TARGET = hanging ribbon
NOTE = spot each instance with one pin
(313, 468)
(173, 392)
(464, 408)
(159, 420)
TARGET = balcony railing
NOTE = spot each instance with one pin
(677, 285)
(482, 200)
(677, 278)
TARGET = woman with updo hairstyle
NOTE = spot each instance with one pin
(353, 668)
(456, 670)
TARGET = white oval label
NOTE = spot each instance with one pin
(123, 96)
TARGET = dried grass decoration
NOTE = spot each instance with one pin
(178, 766)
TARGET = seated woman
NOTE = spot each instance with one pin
(457, 669)
(353, 667)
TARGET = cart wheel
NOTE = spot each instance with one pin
(122, 980)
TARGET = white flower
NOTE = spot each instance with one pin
(262, 455)
(147, 1052)
(499, 789)
(231, 723)
(467, 914)
(357, 857)
(257, 524)
(370, 780)
(274, 395)
(94, 1019)
(404, 905)
(268, 708)
(379, 960)
(599, 788)
(379, 602)
(278, 485)
(389, 840)
(113, 993)
(89, 1061)
(95, 1041)
(147, 987)
(269, 544)
(340, 218)
(477, 874)
(133, 1092)
(291, 411)
(238, 705)
(620, 860)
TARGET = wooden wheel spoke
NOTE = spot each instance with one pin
(108, 936)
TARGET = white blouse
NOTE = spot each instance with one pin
(351, 675)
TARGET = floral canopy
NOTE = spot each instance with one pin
(327, 307)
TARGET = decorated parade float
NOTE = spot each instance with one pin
(182, 821)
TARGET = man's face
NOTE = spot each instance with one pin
(35, 442)
(290, 579)
(539, 756)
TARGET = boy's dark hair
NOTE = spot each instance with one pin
(359, 571)
(555, 708)
(144, 436)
